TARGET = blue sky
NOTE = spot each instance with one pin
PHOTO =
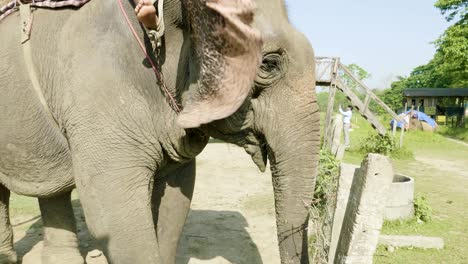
(388, 38)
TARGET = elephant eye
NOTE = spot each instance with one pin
(271, 70)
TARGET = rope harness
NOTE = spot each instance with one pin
(169, 95)
(155, 35)
(26, 25)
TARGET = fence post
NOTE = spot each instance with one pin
(401, 136)
(328, 116)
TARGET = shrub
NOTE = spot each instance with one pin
(422, 209)
(384, 145)
(325, 184)
(321, 210)
(378, 144)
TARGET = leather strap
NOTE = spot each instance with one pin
(26, 19)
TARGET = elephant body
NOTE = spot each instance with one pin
(115, 138)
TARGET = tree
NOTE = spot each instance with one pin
(340, 98)
(452, 53)
(452, 8)
(452, 46)
(449, 66)
(393, 97)
(358, 72)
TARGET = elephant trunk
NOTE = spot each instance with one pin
(293, 139)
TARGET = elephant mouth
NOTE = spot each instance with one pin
(257, 147)
(254, 144)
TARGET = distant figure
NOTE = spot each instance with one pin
(404, 122)
(406, 118)
(346, 122)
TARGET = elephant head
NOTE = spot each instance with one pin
(274, 117)
(279, 121)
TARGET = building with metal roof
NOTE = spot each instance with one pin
(436, 92)
(445, 105)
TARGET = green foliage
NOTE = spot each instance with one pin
(452, 8)
(340, 98)
(374, 106)
(452, 46)
(451, 59)
(456, 133)
(393, 97)
(322, 100)
(321, 211)
(449, 66)
(384, 145)
(357, 72)
(378, 144)
(422, 209)
(325, 184)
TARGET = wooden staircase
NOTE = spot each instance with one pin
(330, 72)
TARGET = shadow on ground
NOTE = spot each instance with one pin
(209, 237)
(217, 237)
(33, 235)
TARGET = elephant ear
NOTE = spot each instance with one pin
(228, 50)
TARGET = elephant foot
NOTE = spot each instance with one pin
(8, 257)
(60, 255)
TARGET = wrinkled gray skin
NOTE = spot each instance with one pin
(117, 139)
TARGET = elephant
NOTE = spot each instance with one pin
(238, 68)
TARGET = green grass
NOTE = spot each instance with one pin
(445, 191)
(455, 133)
(419, 142)
(27, 206)
(25, 210)
(435, 145)
(24, 206)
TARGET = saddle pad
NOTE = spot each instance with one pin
(13, 5)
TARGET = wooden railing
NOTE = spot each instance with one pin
(332, 73)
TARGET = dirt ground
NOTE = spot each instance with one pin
(231, 220)
(445, 165)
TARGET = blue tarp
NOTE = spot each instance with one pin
(421, 117)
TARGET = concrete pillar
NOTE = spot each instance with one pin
(344, 186)
(363, 218)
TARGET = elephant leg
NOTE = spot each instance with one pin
(171, 200)
(60, 240)
(7, 253)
